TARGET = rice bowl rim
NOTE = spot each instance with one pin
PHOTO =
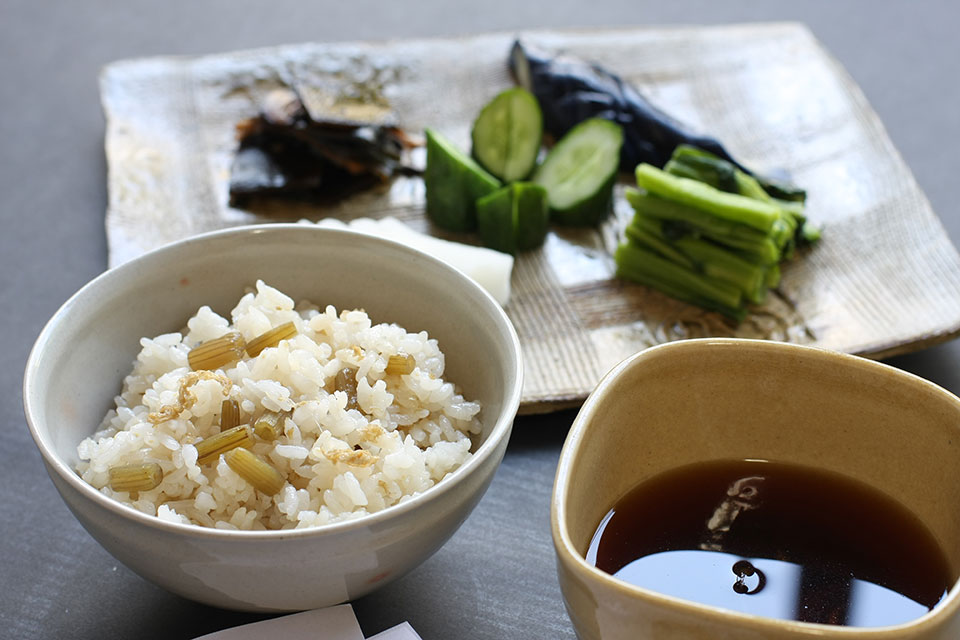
(500, 431)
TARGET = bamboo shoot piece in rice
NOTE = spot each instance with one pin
(218, 352)
(135, 477)
(269, 426)
(400, 364)
(271, 338)
(229, 414)
(255, 470)
(346, 381)
(210, 449)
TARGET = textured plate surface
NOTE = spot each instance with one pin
(884, 280)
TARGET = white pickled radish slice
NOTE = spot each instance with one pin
(488, 268)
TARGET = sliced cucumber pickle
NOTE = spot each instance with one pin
(507, 134)
(453, 182)
(579, 172)
(514, 218)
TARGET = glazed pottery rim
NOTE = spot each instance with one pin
(499, 432)
(576, 563)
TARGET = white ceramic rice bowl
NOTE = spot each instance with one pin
(81, 356)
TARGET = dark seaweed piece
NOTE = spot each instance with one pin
(285, 153)
(570, 90)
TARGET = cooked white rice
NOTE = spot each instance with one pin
(406, 434)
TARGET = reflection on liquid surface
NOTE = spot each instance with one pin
(670, 573)
(774, 540)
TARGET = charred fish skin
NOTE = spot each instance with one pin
(570, 90)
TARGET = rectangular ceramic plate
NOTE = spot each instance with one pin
(884, 280)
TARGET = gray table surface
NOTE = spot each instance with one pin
(496, 577)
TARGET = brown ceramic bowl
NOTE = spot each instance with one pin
(714, 399)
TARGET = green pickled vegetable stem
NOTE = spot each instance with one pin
(648, 232)
(747, 240)
(643, 266)
(716, 262)
(728, 206)
(701, 256)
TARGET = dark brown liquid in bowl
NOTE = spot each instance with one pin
(776, 540)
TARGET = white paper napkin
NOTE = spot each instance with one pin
(402, 631)
(332, 623)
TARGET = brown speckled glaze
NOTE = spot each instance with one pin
(884, 280)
